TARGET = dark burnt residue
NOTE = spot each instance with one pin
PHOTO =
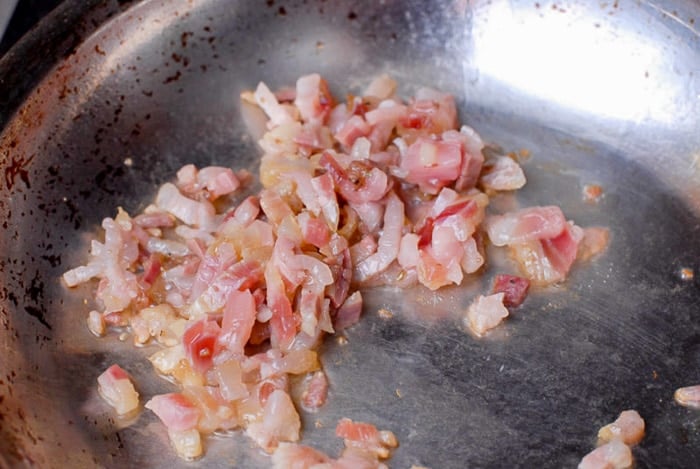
(17, 167)
(173, 78)
(49, 254)
(53, 259)
(105, 176)
(34, 299)
(352, 15)
(35, 290)
(74, 214)
(38, 314)
(282, 11)
(117, 111)
(184, 38)
(12, 297)
(181, 59)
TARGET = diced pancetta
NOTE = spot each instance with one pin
(117, 390)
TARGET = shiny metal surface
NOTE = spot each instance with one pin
(598, 92)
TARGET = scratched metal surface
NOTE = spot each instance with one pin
(598, 92)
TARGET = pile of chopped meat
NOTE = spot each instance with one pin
(239, 293)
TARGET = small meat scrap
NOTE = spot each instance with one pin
(366, 437)
(514, 289)
(316, 392)
(180, 416)
(117, 390)
(96, 323)
(280, 422)
(592, 193)
(502, 173)
(614, 442)
(364, 447)
(541, 241)
(294, 456)
(688, 396)
(628, 428)
(175, 410)
(485, 313)
(613, 455)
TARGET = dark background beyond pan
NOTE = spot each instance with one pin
(27, 14)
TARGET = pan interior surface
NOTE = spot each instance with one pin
(596, 93)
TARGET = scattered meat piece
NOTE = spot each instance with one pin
(238, 320)
(432, 164)
(211, 182)
(514, 289)
(175, 410)
(388, 244)
(523, 226)
(613, 455)
(382, 87)
(688, 396)
(218, 181)
(190, 211)
(354, 128)
(153, 322)
(229, 376)
(628, 428)
(366, 437)
(280, 422)
(502, 174)
(592, 193)
(485, 313)
(200, 342)
(615, 440)
(267, 101)
(314, 396)
(349, 313)
(117, 390)
(548, 261)
(187, 443)
(313, 100)
(293, 456)
(156, 219)
(96, 323)
(354, 458)
(473, 159)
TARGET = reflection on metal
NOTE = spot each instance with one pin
(571, 59)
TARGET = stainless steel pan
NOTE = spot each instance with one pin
(597, 92)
